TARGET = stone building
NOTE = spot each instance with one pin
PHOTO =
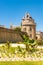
(39, 35)
(29, 26)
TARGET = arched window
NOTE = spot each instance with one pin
(27, 16)
(36, 37)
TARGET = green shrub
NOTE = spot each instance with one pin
(7, 44)
(19, 49)
(31, 41)
(39, 42)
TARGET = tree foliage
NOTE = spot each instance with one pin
(17, 29)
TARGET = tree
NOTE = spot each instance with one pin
(31, 47)
(31, 41)
(26, 39)
(17, 29)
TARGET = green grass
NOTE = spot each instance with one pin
(21, 63)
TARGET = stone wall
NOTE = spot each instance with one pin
(9, 35)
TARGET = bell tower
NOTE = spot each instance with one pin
(29, 26)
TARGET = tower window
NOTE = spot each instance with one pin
(30, 35)
(24, 29)
(30, 29)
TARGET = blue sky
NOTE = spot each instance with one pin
(12, 11)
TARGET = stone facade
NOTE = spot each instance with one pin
(29, 26)
(39, 35)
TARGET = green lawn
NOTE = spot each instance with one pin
(22, 63)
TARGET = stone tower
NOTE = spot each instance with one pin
(29, 26)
